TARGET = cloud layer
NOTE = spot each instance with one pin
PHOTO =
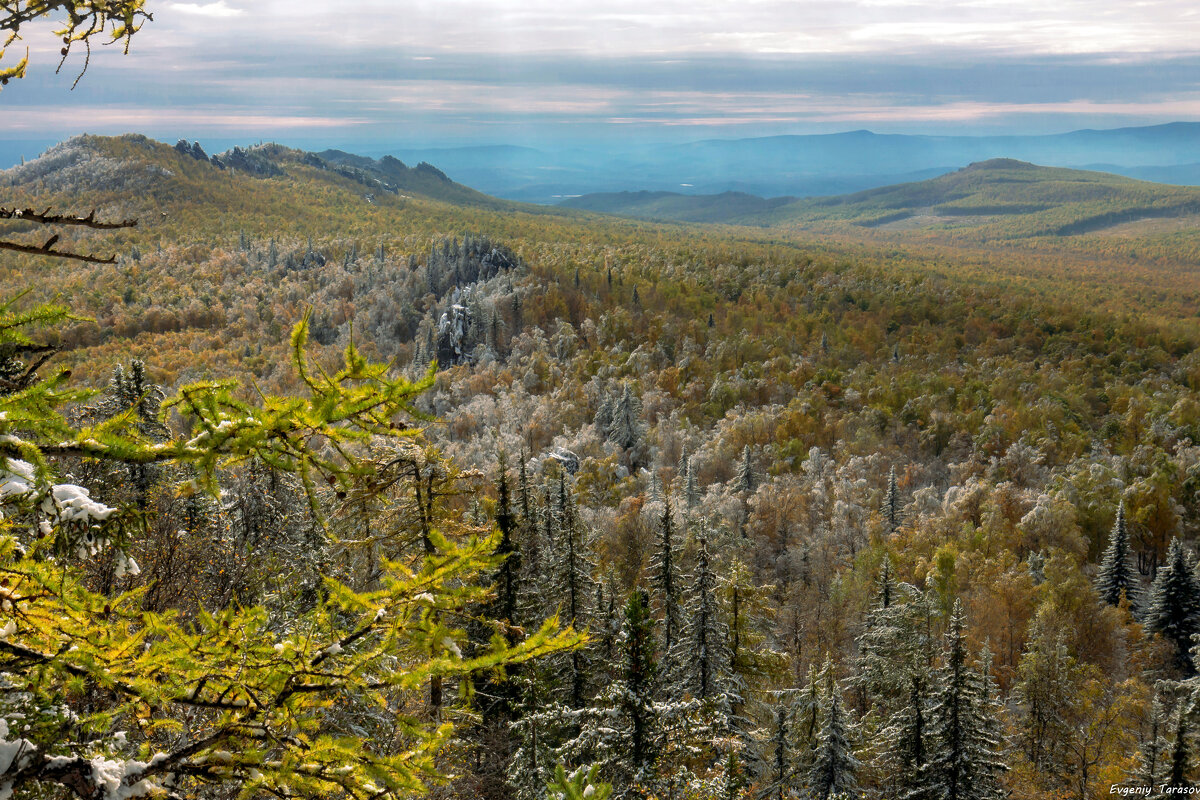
(545, 71)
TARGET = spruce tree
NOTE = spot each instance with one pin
(703, 643)
(1154, 748)
(1178, 765)
(1173, 607)
(571, 584)
(745, 482)
(665, 578)
(622, 730)
(691, 492)
(778, 770)
(892, 513)
(964, 749)
(834, 766)
(1117, 575)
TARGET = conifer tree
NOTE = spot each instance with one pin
(703, 643)
(1118, 575)
(623, 731)
(964, 749)
(1154, 748)
(1173, 606)
(664, 576)
(778, 770)
(834, 766)
(571, 569)
(625, 428)
(745, 482)
(1178, 766)
(346, 655)
(691, 492)
(892, 512)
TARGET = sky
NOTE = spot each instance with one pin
(375, 75)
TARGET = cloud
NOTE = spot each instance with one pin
(218, 9)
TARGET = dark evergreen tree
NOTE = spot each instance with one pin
(1173, 607)
(664, 576)
(626, 728)
(1154, 748)
(777, 778)
(1178, 766)
(745, 482)
(571, 569)
(626, 429)
(1117, 575)
(834, 766)
(704, 641)
(964, 749)
(892, 510)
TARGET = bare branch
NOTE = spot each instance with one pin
(46, 218)
(46, 250)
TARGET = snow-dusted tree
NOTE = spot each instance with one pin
(627, 728)
(1117, 575)
(1153, 752)
(540, 726)
(777, 770)
(964, 750)
(892, 510)
(745, 481)
(626, 428)
(895, 647)
(906, 741)
(571, 588)
(132, 395)
(1179, 761)
(834, 765)
(604, 413)
(703, 643)
(666, 580)
(1173, 605)
(806, 716)
(691, 492)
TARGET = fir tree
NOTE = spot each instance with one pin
(1173, 607)
(691, 492)
(571, 569)
(892, 513)
(964, 748)
(744, 482)
(622, 731)
(1118, 575)
(625, 430)
(778, 773)
(834, 766)
(906, 742)
(704, 652)
(1154, 748)
(1178, 766)
(664, 571)
(604, 414)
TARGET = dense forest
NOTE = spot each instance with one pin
(689, 512)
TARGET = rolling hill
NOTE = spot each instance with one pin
(998, 198)
(671, 206)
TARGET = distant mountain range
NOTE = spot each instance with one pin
(988, 200)
(807, 166)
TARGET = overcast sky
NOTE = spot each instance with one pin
(380, 73)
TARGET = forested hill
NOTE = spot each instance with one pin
(997, 198)
(809, 503)
(133, 169)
